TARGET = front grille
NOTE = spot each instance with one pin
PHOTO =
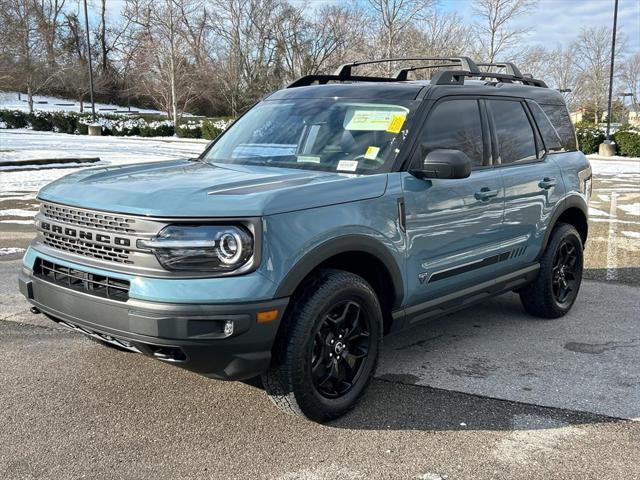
(91, 283)
(87, 218)
(80, 247)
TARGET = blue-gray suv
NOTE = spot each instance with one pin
(335, 211)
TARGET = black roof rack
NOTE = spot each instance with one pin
(402, 74)
(456, 77)
(465, 63)
(465, 68)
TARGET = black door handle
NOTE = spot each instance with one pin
(547, 183)
(486, 193)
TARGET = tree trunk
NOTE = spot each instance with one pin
(81, 100)
(30, 98)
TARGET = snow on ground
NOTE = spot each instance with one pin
(28, 144)
(10, 101)
(10, 251)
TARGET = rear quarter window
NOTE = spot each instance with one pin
(560, 120)
(549, 134)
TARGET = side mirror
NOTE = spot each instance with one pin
(444, 163)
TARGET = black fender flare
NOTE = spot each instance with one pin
(338, 245)
(572, 201)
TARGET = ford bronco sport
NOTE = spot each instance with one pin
(335, 211)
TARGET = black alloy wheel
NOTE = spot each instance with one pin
(340, 349)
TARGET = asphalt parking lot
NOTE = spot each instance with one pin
(486, 393)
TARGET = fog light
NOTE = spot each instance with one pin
(228, 328)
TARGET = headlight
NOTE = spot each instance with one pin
(211, 248)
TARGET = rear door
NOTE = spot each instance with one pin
(452, 225)
(532, 180)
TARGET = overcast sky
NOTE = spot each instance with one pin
(552, 23)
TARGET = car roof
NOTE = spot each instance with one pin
(412, 89)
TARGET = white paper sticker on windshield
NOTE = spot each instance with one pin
(347, 165)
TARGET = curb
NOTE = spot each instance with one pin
(48, 161)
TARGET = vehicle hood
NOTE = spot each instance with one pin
(187, 188)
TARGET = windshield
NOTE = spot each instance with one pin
(337, 135)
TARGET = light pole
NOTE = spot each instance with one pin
(86, 26)
(613, 53)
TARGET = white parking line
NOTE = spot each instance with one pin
(612, 247)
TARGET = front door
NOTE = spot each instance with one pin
(453, 227)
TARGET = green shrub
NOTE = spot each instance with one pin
(64, 122)
(589, 138)
(210, 130)
(13, 118)
(41, 121)
(162, 128)
(189, 130)
(627, 142)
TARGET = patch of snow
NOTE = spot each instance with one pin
(20, 222)
(17, 212)
(597, 213)
(613, 167)
(25, 144)
(630, 234)
(10, 101)
(631, 209)
(10, 251)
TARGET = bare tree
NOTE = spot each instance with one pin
(49, 15)
(394, 17)
(161, 43)
(495, 32)
(592, 57)
(630, 78)
(24, 43)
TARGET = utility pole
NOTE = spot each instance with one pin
(613, 53)
(86, 26)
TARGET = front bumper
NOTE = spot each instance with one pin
(190, 336)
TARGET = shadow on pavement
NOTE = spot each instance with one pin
(388, 405)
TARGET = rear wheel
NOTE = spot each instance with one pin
(556, 288)
(328, 348)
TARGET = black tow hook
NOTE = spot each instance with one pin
(35, 310)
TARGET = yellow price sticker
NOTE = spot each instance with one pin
(396, 123)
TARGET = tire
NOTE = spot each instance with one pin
(315, 371)
(560, 265)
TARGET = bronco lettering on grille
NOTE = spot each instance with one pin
(89, 236)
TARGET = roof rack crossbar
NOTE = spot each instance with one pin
(509, 68)
(465, 63)
(456, 77)
(323, 79)
(402, 74)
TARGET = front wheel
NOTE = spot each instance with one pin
(328, 347)
(556, 288)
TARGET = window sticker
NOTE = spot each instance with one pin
(396, 122)
(372, 153)
(368, 119)
(308, 159)
(347, 165)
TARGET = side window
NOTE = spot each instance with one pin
(551, 139)
(516, 140)
(562, 123)
(455, 124)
